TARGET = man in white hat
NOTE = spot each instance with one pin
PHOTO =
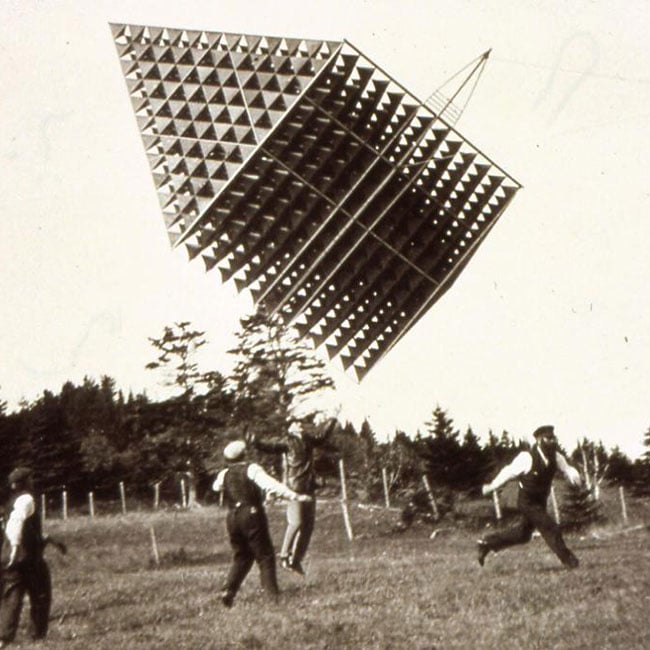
(243, 485)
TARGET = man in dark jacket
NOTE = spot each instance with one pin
(24, 570)
(535, 470)
(243, 485)
(298, 445)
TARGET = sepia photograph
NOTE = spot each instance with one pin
(324, 324)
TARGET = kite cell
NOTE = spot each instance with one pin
(311, 178)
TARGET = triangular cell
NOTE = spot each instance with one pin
(171, 75)
(192, 77)
(187, 58)
(207, 60)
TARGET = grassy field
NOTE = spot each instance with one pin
(383, 590)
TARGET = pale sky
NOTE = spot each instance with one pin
(550, 321)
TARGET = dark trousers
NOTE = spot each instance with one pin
(300, 526)
(248, 530)
(34, 579)
(532, 515)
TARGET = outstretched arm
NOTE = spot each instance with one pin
(263, 480)
(273, 445)
(520, 465)
(570, 473)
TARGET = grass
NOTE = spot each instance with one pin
(384, 590)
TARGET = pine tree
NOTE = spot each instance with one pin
(443, 460)
(185, 431)
(580, 508)
(276, 374)
(442, 452)
(642, 469)
(476, 465)
(620, 468)
(402, 461)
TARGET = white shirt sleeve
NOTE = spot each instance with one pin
(23, 507)
(217, 486)
(570, 473)
(257, 474)
(521, 464)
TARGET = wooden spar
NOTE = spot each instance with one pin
(338, 207)
(195, 224)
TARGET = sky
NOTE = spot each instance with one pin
(548, 324)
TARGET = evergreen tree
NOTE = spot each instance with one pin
(183, 433)
(7, 441)
(50, 446)
(275, 374)
(580, 508)
(442, 452)
(362, 461)
(499, 451)
(476, 463)
(620, 469)
(642, 469)
(403, 463)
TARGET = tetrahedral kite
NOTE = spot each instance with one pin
(311, 178)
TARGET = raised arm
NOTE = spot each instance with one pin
(320, 436)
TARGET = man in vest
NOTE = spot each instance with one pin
(243, 485)
(298, 446)
(535, 470)
(24, 570)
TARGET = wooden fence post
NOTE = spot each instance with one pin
(344, 502)
(183, 493)
(43, 508)
(91, 504)
(497, 505)
(384, 479)
(64, 503)
(154, 546)
(156, 495)
(556, 510)
(123, 497)
(432, 499)
(621, 493)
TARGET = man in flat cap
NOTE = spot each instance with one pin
(243, 485)
(535, 470)
(24, 570)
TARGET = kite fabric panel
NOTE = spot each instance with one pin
(311, 178)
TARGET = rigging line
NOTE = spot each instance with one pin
(476, 80)
(423, 104)
(472, 62)
(478, 66)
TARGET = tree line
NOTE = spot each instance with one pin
(90, 436)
